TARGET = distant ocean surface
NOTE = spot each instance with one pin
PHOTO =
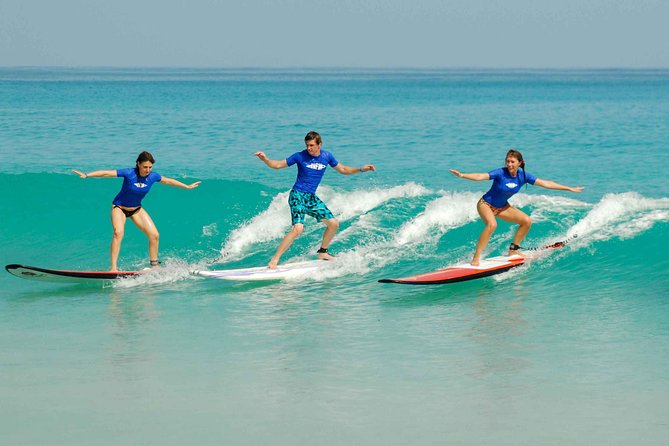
(571, 349)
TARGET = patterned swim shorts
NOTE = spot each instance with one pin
(303, 203)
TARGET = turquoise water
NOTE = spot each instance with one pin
(570, 349)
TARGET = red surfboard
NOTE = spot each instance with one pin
(60, 275)
(462, 272)
(465, 271)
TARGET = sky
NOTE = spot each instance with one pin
(335, 33)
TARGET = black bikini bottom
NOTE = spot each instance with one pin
(127, 212)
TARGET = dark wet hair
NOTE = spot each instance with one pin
(313, 136)
(145, 156)
(519, 156)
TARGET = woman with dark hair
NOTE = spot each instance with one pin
(137, 182)
(506, 182)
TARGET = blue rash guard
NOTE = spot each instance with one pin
(310, 169)
(134, 187)
(504, 186)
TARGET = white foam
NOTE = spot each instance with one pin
(274, 222)
(556, 203)
(352, 204)
(447, 212)
(270, 224)
(210, 230)
(545, 207)
(353, 262)
(173, 270)
(621, 215)
(616, 215)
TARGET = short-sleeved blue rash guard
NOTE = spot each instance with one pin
(504, 186)
(310, 169)
(134, 187)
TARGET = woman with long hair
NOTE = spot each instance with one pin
(506, 182)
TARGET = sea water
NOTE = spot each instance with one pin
(572, 348)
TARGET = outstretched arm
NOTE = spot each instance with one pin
(274, 164)
(176, 183)
(556, 186)
(348, 170)
(96, 174)
(470, 176)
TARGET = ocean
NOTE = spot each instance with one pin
(571, 348)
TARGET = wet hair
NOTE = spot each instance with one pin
(519, 156)
(145, 156)
(313, 136)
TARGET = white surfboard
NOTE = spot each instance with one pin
(285, 271)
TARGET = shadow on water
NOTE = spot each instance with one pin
(132, 318)
(89, 289)
(231, 286)
(52, 291)
(400, 295)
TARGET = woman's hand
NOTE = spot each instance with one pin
(80, 173)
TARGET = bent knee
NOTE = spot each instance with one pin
(491, 227)
(332, 223)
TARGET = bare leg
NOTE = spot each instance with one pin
(118, 226)
(144, 222)
(523, 221)
(490, 222)
(288, 240)
(332, 225)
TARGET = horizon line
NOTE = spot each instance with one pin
(334, 67)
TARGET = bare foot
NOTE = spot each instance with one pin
(273, 264)
(516, 253)
(325, 256)
(476, 262)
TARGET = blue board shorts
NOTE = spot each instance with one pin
(304, 203)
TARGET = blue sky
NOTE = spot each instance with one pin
(335, 33)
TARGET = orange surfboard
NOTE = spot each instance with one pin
(462, 272)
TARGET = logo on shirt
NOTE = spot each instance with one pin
(140, 185)
(316, 166)
(511, 185)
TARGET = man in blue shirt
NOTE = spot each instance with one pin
(311, 165)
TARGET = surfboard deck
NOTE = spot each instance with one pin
(261, 273)
(466, 271)
(69, 276)
(462, 272)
